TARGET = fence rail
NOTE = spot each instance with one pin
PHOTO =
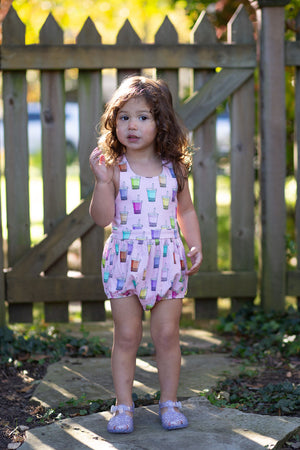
(40, 273)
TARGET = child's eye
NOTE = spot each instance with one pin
(143, 117)
(124, 117)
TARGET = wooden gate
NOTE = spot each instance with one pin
(220, 71)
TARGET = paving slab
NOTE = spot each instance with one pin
(74, 377)
(210, 428)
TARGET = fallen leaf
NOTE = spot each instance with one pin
(26, 388)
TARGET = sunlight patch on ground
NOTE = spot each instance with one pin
(144, 365)
(263, 440)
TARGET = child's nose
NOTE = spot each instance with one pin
(132, 124)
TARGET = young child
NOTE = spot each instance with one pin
(141, 188)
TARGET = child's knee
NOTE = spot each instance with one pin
(128, 338)
(166, 337)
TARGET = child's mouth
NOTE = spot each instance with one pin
(132, 137)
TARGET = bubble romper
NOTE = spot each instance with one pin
(144, 254)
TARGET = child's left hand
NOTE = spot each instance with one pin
(196, 257)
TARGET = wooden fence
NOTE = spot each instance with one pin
(40, 273)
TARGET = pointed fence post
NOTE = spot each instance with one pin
(2, 281)
(242, 108)
(167, 35)
(204, 174)
(127, 36)
(16, 159)
(90, 109)
(273, 154)
(54, 157)
(297, 142)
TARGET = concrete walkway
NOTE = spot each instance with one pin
(210, 428)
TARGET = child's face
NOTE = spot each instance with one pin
(136, 127)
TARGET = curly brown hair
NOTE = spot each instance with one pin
(171, 140)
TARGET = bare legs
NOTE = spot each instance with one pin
(165, 334)
(127, 316)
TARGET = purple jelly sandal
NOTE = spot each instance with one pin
(121, 422)
(171, 419)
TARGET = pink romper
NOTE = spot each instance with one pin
(144, 254)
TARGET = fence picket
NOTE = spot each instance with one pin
(54, 157)
(167, 35)
(127, 36)
(205, 174)
(297, 161)
(90, 109)
(273, 158)
(237, 59)
(16, 158)
(242, 109)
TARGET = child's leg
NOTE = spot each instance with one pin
(127, 317)
(165, 318)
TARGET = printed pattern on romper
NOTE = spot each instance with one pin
(144, 254)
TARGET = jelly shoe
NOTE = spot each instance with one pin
(171, 419)
(121, 422)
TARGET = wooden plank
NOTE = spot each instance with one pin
(242, 106)
(167, 35)
(293, 283)
(292, 53)
(204, 102)
(68, 56)
(54, 156)
(205, 175)
(16, 157)
(273, 159)
(20, 312)
(43, 255)
(297, 154)
(2, 281)
(56, 289)
(90, 109)
(128, 36)
(223, 284)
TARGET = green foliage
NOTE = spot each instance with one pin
(145, 16)
(51, 344)
(281, 398)
(256, 334)
(258, 337)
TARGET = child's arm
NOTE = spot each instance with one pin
(189, 225)
(102, 206)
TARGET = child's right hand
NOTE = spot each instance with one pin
(102, 173)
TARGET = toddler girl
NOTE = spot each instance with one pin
(141, 188)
